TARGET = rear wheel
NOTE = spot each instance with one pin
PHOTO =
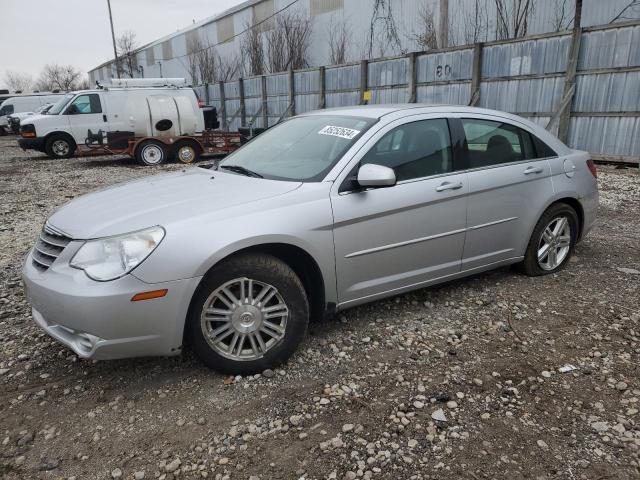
(552, 241)
(151, 152)
(60, 146)
(249, 314)
(187, 152)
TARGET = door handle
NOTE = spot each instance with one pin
(448, 186)
(530, 170)
(104, 117)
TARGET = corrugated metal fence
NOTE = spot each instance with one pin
(584, 85)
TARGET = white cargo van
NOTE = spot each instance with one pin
(125, 109)
(23, 103)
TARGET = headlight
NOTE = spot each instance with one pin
(110, 258)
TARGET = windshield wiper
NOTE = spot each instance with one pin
(241, 170)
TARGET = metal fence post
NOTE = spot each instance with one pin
(265, 113)
(243, 111)
(364, 80)
(412, 77)
(476, 74)
(564, 113)
(322, 101)
(292, 92)
(223, 106)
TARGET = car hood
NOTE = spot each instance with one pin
(34, 117)
(161, 200)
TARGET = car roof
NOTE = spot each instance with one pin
(379, 111)
(396, 111)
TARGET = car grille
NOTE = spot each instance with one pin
(50, 244)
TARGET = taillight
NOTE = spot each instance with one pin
(591, 165)
(199, 103)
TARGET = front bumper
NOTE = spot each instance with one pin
(98, 320)
(36, 143)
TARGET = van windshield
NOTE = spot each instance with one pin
(301, 149)
(60, 104)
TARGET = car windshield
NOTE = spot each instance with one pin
(60, 104)
(300, 149)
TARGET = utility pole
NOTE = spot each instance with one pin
(444, 24)
(113, 38)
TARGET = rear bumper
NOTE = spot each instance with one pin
(31, 143)
(98, 320)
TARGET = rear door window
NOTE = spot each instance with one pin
(494, 143)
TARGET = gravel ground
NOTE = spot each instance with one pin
(456, 381)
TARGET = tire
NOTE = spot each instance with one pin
(187, 152)
(533, 265)
(260, 349)
(151, 152)
(60, 146)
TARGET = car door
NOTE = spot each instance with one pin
(86, 112)
(393, 238)
(508, 186)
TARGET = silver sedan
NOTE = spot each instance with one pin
(322, 212)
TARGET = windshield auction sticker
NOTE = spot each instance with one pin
(341, 132)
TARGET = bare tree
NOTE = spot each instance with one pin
(206, 60)
(276, 50)
(563, 15)
(389, 37)
(427, 37)
(126, 46)
(512, 18)
(252, 50)
(227, 67)
(194, 46)
(627, 12)
(288, 42)
(298, 32)
(58, 77)
(339, 40)
(18, 81)
(476, 23)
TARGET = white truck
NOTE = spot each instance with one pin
(150, 119)
(23, 103)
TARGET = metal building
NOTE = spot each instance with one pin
(583, 84)
(168, 55)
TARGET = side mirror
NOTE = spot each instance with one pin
(72, 110)
(371, 175)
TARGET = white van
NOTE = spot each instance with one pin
(125, 109)
(23, 103)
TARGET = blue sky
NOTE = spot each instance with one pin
(36, 32)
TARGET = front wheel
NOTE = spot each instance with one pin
(60, 146)
(249, 314)
(151, 152)
(552, 241)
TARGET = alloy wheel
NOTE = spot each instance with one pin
(244, 318)
(554, 243)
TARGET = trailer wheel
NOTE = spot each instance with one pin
(187, 151)
(151, 152)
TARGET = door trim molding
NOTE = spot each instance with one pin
(403, 244)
